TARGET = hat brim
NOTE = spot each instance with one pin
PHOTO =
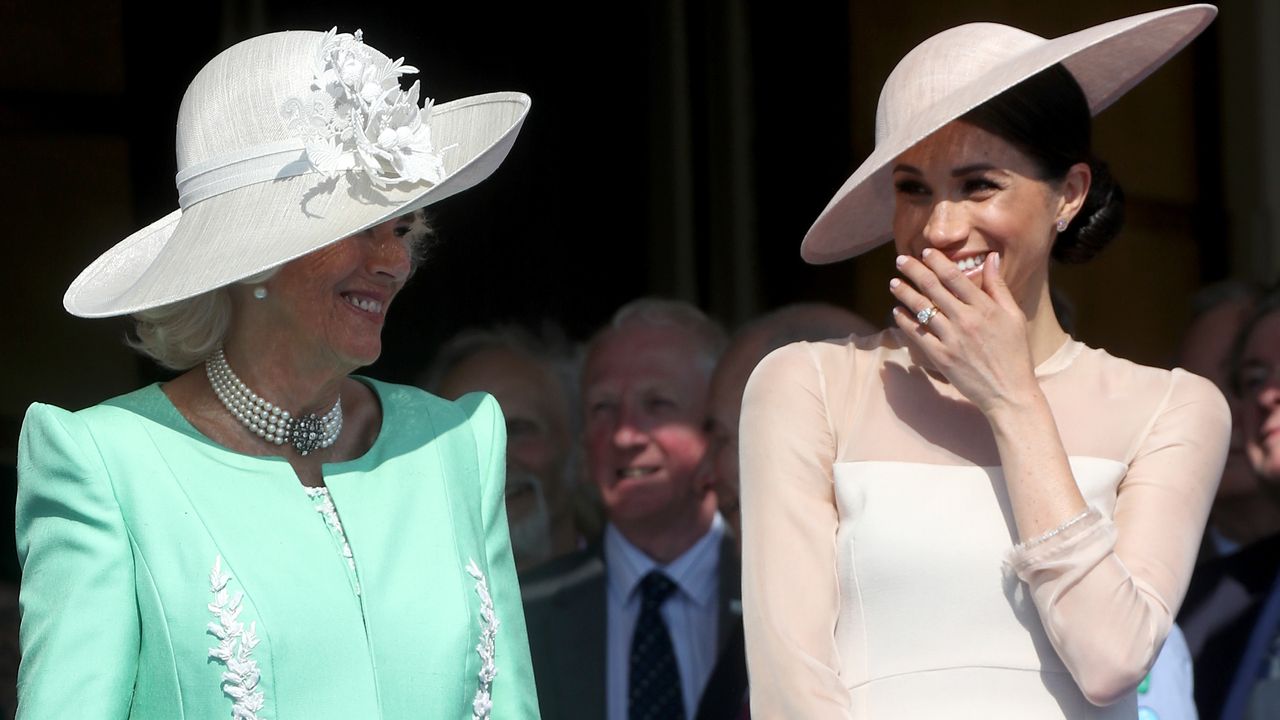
(1106, 60)
(218, 241)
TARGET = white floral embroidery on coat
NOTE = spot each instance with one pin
(324, 505)
(483, 703)
(235, 647)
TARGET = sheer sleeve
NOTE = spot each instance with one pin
(790, 590)
(1107, 590)
(79, 633)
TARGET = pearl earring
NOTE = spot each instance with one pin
(260, 292)
(1062, 224)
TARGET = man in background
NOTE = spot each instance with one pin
(534, 379)
(634, 626)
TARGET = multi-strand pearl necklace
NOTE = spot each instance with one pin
(266, 420)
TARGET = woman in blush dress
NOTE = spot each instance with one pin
(267, 535)
(971, 514)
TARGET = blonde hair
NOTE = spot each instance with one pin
(181, 335)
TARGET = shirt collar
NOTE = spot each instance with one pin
(695, 573)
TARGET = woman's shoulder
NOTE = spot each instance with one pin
(835, 356)
(1171, 386)
(147, 402)
(1154, 403)
(405, 402)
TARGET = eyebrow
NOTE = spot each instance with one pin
(957, 172)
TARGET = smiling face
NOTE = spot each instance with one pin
(1259, 393)
(967, 192)
(331, 304)
(644, 395)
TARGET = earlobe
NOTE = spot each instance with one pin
(1075, 187)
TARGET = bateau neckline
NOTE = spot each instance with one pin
(1058, 360)
(176, 420)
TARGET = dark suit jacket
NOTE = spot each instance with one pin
(1220, 613)
(564, 609)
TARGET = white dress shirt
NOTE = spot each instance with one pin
(692, 613)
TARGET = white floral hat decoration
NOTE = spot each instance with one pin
(286, 143)
(957, 70)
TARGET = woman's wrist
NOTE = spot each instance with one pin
(1015, 408)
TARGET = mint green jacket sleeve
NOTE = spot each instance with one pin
(80, 633)
(514, 693)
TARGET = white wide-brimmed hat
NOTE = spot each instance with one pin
(957, 70)
(286, 143)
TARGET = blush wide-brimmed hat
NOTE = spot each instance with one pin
(957, 70)
(286, 143)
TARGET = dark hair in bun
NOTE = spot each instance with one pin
(1047, 117)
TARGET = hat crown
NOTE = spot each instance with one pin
(939, 68)
(237, 100)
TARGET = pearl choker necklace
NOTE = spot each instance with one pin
(267, 421)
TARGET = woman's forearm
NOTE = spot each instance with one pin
(1042, 491)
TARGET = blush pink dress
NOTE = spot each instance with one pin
(883, 575)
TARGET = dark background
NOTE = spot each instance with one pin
(673, 148)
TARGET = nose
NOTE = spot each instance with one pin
(388, 254)
(1269, 395)
(948, 224)
(630, 432)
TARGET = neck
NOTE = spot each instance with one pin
(285, 377)
(1044, 333)
(664, 542)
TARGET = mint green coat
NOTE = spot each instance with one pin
(167, 577)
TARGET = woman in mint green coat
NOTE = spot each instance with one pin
(267, 536)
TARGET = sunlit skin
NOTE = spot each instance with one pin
(963, 192)
(644, 400)
(1260, 401)
(297, 345)
(538, 436)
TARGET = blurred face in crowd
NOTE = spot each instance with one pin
(1205, 350)
(1259, 394)
(724, 407)
(644, 397)
(538, 439)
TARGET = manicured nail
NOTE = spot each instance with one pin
(895, 282)
(902, 260)
(996, 260)
(925, 253)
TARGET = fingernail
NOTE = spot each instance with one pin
(902, 260)
(895, 282)
(925, 253)
(996, 260)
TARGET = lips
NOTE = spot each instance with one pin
(635, 472)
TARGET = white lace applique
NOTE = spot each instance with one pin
(324, 506)
(235, 647)
(483, 703)
(357, 119)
